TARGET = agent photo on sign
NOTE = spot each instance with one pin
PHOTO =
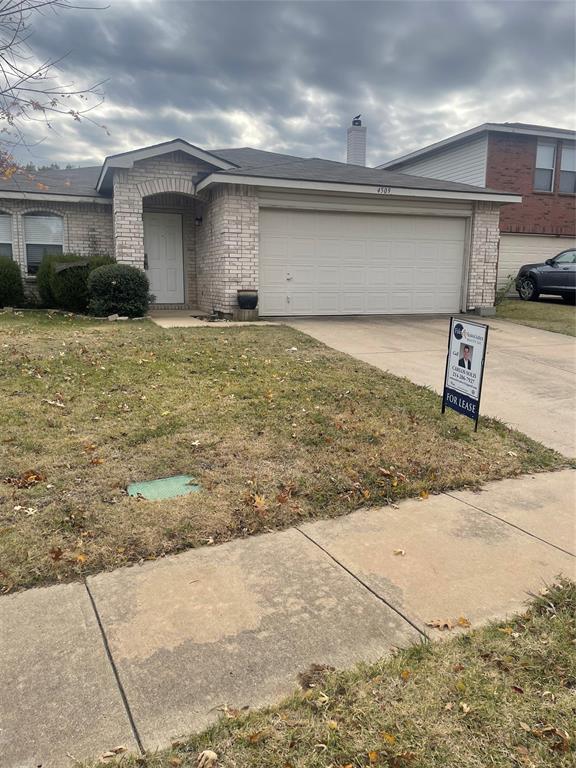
(465, 360)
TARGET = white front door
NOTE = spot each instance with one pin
(319, 263)
(164, 262)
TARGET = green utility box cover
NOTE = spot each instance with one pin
(164, 488)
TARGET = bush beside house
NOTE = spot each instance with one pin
(118, 289)
(63, 279)
(11, 288)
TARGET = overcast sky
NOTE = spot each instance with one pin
(289, 76)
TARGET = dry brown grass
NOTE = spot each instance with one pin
(274, 435)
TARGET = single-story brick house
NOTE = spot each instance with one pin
(314, 237)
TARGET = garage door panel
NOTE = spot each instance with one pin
(424, 277)
(377, 303)
(401, 277)
(401, 302)
(273, 303)
(352, 263)
(352, 276)
(377, 276)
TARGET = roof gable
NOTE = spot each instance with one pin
(127, 159)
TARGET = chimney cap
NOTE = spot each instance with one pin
(356, 120)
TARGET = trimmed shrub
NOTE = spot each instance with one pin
(118, 289)
(70, 285)
(67, 288)
(11, 288)
(44, 275)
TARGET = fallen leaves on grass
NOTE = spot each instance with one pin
(559, 738)
(314, 675)
(27, 479)
(448, 624)
(55, 403)
(112, 753)
(207, 759)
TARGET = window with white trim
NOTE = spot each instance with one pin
(6, 235)
(44, 233)
(568, 168)
(545, 160)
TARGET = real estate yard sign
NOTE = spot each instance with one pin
(465, 368)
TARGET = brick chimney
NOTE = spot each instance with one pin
(356, 144)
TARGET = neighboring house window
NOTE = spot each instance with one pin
(545, 158)
(44, 236)
(568, 168)
(5, 235)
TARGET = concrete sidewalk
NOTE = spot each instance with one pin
(141, 655)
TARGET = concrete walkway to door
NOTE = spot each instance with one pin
(530, 376)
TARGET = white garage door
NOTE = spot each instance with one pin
(318, 263)
(516, 250)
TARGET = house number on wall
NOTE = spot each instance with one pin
(384, 190)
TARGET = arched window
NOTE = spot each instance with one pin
(44, 236)
(5, 234)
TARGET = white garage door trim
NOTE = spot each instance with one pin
(334, 263)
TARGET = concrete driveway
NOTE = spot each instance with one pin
(530, 376)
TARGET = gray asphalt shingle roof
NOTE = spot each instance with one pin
(316, 169)
(250, 163)
(76, 181)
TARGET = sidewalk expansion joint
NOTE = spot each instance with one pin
(413, 624)
(115, 671)
(512, 525)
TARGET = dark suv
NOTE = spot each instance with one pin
(555, 276)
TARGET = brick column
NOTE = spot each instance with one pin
(227, 247)
(128, 224)
(483, 265)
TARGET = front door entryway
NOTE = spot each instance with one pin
(164, 260)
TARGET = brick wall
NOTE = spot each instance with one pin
(87, 227)
(227, 247)
(172, 173)
(511, 165)
(483, 261)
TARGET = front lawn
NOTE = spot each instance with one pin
(501, 696)
(548, 314)
(276, 428)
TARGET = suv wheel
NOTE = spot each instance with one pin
(528, 289)
(569, 298)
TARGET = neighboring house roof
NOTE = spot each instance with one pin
(241, 165)
(519, 128)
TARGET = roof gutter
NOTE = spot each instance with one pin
(363, 189)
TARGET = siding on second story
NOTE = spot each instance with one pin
(465, 163)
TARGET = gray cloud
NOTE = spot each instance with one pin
(288, 76)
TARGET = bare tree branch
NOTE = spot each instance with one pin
(31, 89)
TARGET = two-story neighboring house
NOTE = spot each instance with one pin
(535, 161)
